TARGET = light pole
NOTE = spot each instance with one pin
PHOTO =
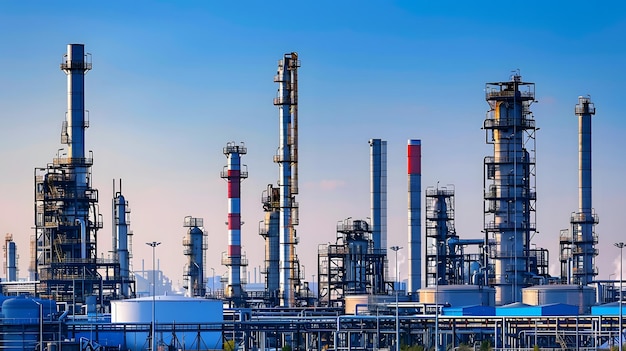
(437, 296)
(396, 249)
(620, 245)
(153, 244)
(40, 324)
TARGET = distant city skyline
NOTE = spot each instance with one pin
(173, 82)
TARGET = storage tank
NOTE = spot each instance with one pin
(577, 295)
(21, 322)
(171, 312)
(458, 295)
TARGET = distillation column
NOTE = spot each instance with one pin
(287, 159)
(269, 231)
(121, 241)
(234, 174)
(509, 184)
(583, 222)
(414, 168)
(194, 247)
(440, 267)
(66, 212)
(10, 259)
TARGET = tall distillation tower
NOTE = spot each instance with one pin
(233, 259)
(287, 159)
(509, 184)
(122, 241)
(578, 251)
(67, 218)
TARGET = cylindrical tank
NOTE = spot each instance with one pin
(21, 324)
(356, 264)
(169, 310)
(577, 295)
(458, 295)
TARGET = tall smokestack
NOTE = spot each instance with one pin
(234, 175)
(414, 168)
(378, 192)
(583, 222)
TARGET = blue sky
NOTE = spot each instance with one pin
(174, 81)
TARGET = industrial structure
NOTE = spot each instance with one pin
(67, 218)
(510, 185)
(233, 259)
(414, 171)
(121, 246)
(350, 266)
(194, 248)
(493, 290)
(287, 159)
(577, 244)
(10, 259)
(378, 192)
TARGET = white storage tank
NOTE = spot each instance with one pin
(577, 295)
(459, 295)
(171, 312)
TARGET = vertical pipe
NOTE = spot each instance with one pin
(234, 176)
(414, 165)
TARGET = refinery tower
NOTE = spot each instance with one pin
(509, 185)
(67, 218)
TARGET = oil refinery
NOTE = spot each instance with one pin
(490, 292)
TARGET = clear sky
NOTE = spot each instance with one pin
(174, 81)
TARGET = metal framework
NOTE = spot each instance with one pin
(351, 266)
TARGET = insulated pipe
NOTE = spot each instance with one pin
(414, 170)
(234, 175)
(83, 238)
(378, 192)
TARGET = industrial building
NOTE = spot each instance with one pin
(492, 291)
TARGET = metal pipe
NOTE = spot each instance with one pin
(414, 165)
